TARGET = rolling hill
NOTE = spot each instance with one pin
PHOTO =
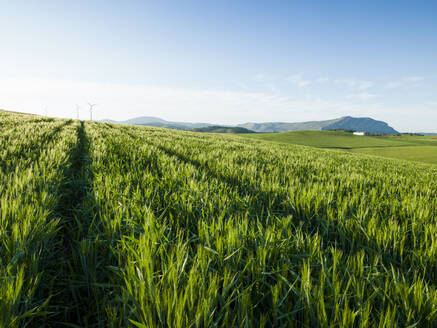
(161, 123)
(415, 148)
(223, 129)
(343, 123)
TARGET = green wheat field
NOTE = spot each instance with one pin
(107, 225)
(413, 148)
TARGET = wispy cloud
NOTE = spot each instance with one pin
(363, 96)
(407, 81)
(393, 84)
(298, 80)
(322, 79)
(243, 86)
(122, 101)
(268, 81)
(414, 79)
(271, 86)
(259, 77)
(353, 83)
(302, 81)
(364, 85)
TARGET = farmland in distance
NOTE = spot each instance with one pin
(107, 225)
(413, 148)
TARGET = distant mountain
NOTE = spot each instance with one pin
(283, 126)
(365, 124)
(223, 129)
(107, 120)
(159, 122)
(144, 120)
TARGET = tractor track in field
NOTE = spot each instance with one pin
(72, 284)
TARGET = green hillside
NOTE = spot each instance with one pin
(425, 154)
(416, 148)
(223, 129)
(108, 225)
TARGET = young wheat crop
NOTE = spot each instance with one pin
(147, 227)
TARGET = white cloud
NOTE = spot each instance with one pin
(271, 86)
(260, 77)
(322, 79)
(363, 96)
(364, 85)
(393, 84)
(298, 80)
(405, 82)
(243, 86)
(265, 80)
(353, 83)
(414, 79)
(123, 101)
(348, 82)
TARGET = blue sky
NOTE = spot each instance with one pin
(224, 62)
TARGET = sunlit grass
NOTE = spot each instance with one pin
(158, 228)
(413, 148)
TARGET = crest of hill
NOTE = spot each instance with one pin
(223, 129)
(365, 124)
(159, 122)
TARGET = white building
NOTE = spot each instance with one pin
(359, 133)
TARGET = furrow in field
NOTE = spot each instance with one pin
(73, 285)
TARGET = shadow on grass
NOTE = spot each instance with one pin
(332, 230)
(71, 284)
(332, 233)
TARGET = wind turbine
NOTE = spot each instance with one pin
(77, 110)
(91, 110)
